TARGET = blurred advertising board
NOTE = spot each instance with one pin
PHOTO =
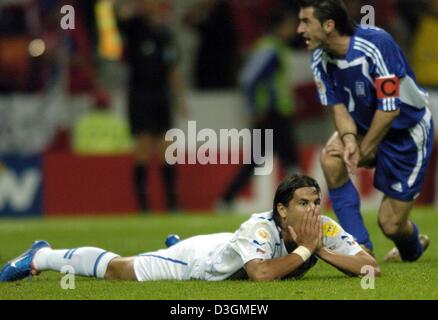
(20, 185)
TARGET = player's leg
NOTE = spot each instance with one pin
(85, 261)
(173, 263)
(141, 119)
(395, 224)
(401, 167)
(163, 123)
(245, 173)
(285, 144)
(343, 194)
(237, 184)
(143, 148)
(121, 269)
(168, 174)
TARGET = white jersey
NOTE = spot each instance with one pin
(223, 255)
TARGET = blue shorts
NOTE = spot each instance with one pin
(402, 160)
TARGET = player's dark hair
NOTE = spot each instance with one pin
(331, 10)
(286, 190)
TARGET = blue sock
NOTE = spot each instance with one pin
(410, 248)
(346, 204)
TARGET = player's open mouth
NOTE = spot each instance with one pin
(306, 40)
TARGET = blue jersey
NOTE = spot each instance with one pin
(374, 75)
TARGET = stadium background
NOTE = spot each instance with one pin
(51, 79)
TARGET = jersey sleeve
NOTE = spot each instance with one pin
(338, 240)
(254, 241)
(324, 84)
(389, 67)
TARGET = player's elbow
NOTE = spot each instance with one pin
(377, 272)
(368, 270)
(365, 265)
(376, 268)
(260, 272)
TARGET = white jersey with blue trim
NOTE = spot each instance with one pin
(259, 238)
(374, 75)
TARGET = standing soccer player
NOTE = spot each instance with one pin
(381, 117)
(155, 88)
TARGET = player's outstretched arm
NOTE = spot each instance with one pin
(275, 269)
(351, 265)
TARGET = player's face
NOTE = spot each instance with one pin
(311, 29)
(303, 200)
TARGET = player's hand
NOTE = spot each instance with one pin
(351, 156)
(310, 235)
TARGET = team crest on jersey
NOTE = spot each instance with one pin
(331, 229)
(360, 89)
(262, 234)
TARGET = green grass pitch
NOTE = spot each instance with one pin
(133, 235)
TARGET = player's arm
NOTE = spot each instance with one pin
(380, 126)
(274, 269)
(388, 73)
(309, 241)
(351, 265)
(347, 131)
(342, 251)
(388, 95)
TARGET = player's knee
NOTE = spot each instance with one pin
(333, 168)
(329, 162)
(112, 271)
(119, 269)
(391, 227)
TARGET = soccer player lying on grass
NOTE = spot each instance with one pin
(282, 243)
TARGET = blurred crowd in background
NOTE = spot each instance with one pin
(66, 89)
(36, 53)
